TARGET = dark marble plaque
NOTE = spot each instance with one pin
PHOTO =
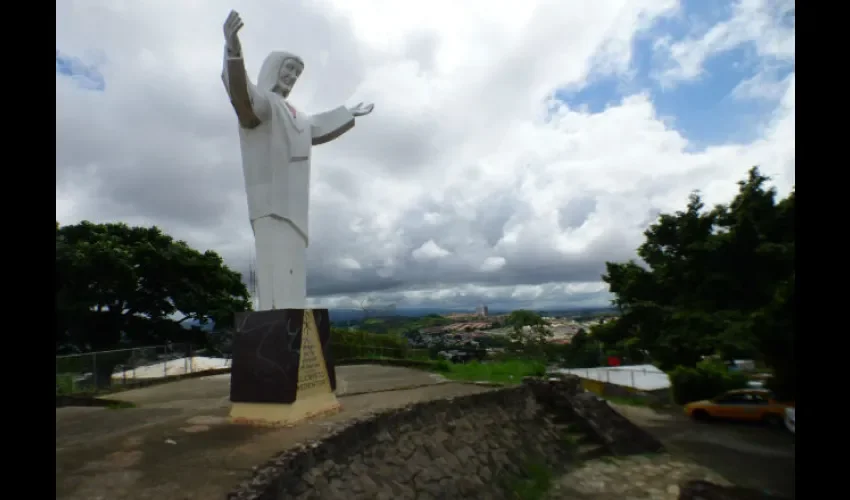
(266, 354)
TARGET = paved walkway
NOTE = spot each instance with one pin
(177, 445)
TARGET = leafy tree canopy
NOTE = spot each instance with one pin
(717, 281)
(522, 317)
(117, 284)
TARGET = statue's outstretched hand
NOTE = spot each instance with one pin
(361, 109)
(232, 25)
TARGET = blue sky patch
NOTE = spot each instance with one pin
(85, 75)
(704, 110)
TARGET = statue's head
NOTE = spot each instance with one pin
(279, 72)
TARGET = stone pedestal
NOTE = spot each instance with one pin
(282, 372)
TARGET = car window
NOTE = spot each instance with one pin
(731, 399)
(742, 398)
(758, 399)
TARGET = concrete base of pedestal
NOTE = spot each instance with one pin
(270, 414)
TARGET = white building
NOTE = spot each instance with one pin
(640, 377)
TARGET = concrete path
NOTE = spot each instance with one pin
(177, 445)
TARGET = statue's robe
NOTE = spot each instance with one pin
(276, 141)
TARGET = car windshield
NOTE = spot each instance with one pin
(741, 397)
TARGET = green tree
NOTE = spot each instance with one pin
(532, 341)
(117, 284)
(714, 281)
(523, 317)
(530, 334)
(583, 351)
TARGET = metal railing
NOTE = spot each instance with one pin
(345, 351)
(98, 371)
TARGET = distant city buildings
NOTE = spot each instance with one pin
(467, 329)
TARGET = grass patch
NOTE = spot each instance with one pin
(119, 405)
(442, 366)
(534, 483)
(66, 386)
(504, 372)
(65, 383)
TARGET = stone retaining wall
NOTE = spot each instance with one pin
(660, 397)
(564, 396)
(466, 447)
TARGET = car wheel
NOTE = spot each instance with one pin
(774, 421)
(701, 416)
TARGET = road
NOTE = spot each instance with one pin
(748, 455)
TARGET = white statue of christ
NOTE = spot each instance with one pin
(276, 139)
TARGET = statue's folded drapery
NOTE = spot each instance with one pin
(276, 139)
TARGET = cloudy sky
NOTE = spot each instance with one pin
(512, 151)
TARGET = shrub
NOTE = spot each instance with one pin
(705, 381)
(65, 383)
(442, 366)
(511, 372)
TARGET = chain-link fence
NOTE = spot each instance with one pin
(96, 371)
(89, 372)
(342, 352)
(345, 345)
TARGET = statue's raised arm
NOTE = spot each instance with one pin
(251, 106)
(329, 125)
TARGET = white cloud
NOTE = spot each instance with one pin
(430, 251)
(349, 264)
(762, 23)
(762, 86)
(466, 185)
(492, 264)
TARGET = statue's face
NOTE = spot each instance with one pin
(290, 70)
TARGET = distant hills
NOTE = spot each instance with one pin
(354, 315)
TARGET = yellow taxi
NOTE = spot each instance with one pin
(754, 405)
